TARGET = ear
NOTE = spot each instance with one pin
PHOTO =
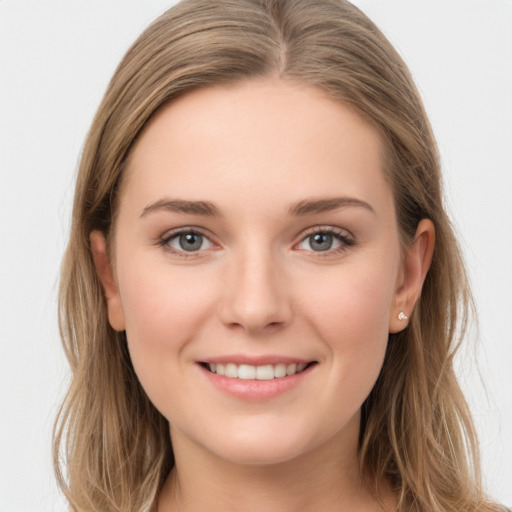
(107, 279)
(415, 265)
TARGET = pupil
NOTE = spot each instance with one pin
(321, 242)
(191, 242)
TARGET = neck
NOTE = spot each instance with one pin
(326, 479)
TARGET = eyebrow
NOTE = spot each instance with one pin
(312, 206)
(301, 208)
(181, 206)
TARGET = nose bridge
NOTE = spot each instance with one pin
(255, 293)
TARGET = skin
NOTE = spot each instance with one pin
(258, 285)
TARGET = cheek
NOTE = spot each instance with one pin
(353, 300)
(164, 308)
(350, 313)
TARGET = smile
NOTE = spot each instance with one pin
(250, 372)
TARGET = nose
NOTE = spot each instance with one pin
(255, 296)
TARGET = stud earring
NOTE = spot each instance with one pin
(402, 316)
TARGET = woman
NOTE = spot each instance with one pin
(262, 295)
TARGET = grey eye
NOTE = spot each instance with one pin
(190, 242)
(321, 241)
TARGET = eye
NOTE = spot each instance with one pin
(187, 241)
(325, 240)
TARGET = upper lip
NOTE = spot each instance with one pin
(253, 360)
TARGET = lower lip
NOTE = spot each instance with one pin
(256, 389)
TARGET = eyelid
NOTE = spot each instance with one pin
(326, 228)
(163, 241)
(345, 237)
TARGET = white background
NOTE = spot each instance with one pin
(56, 57)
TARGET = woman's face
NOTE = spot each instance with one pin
(257, 237)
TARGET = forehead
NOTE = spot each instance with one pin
(276, 139)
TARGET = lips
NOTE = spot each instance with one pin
(256, 379)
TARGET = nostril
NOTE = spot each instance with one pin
(254, 300)
(254, 325)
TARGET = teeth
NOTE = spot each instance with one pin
(246, 371)
(291, 369)
(265, 372)
(231, 370)
(279, 370)
(249, 372)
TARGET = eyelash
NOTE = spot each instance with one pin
(342, 236)
(164, 242)
(345, 240)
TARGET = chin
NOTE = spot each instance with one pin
(264, 445)
(257, 454)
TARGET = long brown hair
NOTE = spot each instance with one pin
(416, 429)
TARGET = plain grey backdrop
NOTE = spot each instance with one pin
(56, 57)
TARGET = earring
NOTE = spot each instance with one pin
(402, 316)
